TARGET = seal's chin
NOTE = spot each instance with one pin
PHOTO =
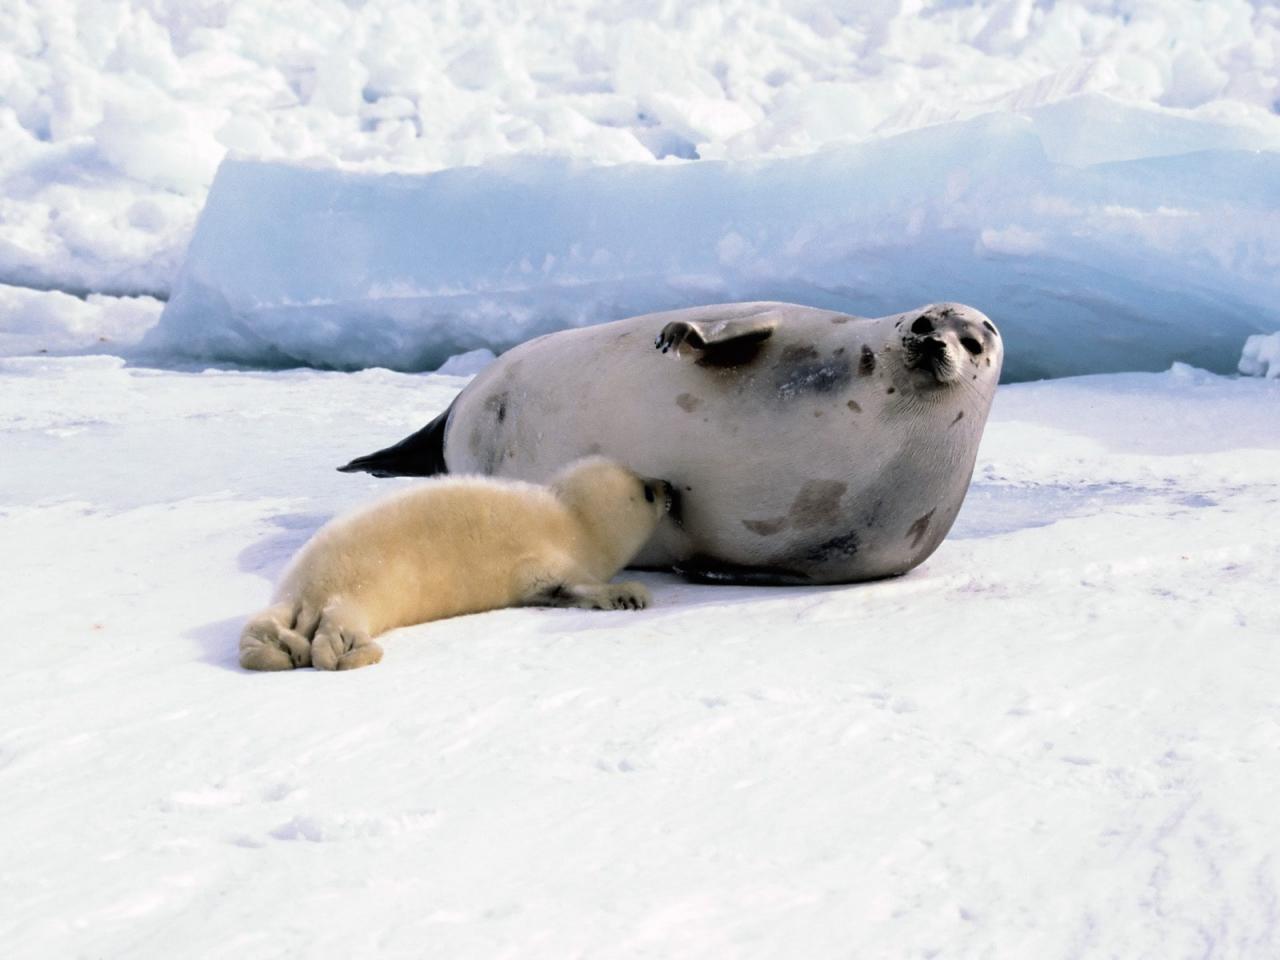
(931, 362)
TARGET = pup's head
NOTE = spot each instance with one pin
(621, 507)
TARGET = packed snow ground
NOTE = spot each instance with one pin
(1059, 737)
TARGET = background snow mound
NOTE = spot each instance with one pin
(49, 321)
(114, 113)
(1261, 356)
(467, 364)
(1117, 265)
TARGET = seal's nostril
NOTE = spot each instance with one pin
(972, 345)
(922, 326)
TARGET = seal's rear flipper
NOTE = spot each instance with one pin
(704, 569)
(722, 343)
(418, 455)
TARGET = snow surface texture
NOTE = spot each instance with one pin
(1060, 737)
(1113, 265)
(114, 115)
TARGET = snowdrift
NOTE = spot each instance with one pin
(1093, 265)
(1261, 356)
(114, 114)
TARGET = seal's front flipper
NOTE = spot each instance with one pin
(703, 569)
(418, 455)
(628, 595)
(722, 343)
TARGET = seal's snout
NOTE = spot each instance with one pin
(931, 354)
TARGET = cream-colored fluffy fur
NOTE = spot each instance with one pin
(451, 546)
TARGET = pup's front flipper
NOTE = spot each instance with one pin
(342, 640)
(628, 595)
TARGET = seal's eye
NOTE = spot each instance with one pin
(972, 345)
(922, 326)
(648, 492)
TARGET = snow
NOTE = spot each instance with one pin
(467, 364)
(1057, 737)
(1261, 356)
(1119, 264)
(50, 321)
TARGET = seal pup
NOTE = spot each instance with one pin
(452, 546)
(809, 446)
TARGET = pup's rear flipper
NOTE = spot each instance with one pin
(269, 641)
(418, 455)
(342, 639)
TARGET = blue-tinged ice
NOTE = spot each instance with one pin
(1171, 253)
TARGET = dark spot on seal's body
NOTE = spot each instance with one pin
(843, 547)
(841, 319)
(891, 390)
(959, 417)
(817, 503)
(853, 405)
(497, 404)
(798, 354)
(801, 369)
(688, 402)
(867, 361)
(766, 528)
(917, 530)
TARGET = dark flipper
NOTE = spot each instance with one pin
(704, 569)
(418, 455)
(720, 343)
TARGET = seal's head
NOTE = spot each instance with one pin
(945, 344)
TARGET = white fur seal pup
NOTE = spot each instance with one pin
(457, 545)
(809, 446)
